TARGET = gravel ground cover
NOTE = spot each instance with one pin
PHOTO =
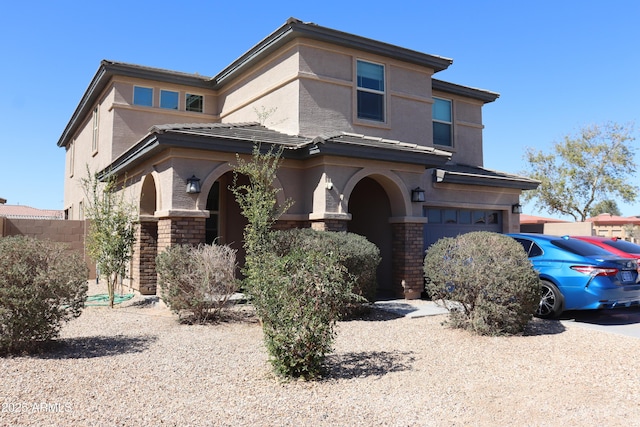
(134, 365)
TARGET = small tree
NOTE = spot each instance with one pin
(258, 203)
(112, 229)
(595, 165)
(297, 295)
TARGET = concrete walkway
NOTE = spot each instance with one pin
(412, 308)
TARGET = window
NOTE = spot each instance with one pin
(194, 103)
(169, 99)
(94, 140)
(143, 96)
(72, 155)
(442, 122)
(463, 216)
(370, 80)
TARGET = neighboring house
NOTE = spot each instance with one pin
(373, 144)
(27, 212)
(607, 225)
(537, 224)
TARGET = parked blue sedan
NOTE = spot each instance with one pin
(577, 275)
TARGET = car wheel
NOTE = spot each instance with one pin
(551, 301)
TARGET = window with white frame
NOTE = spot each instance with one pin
(194, 103)
(442, 123)
(72, 157)
(370, 82)
(169, 99)
(94, 137)
(143, 96)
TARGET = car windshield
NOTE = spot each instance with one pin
(623, 245)
(580, 248)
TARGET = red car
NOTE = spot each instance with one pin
(614, 245)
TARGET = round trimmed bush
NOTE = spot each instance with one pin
(485, 279)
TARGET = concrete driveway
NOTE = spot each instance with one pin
(623, 321)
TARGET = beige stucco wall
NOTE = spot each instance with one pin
(569, 228)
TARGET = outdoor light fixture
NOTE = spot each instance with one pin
(417, 195)
(516, 209)
(193, 185)
(329, 184)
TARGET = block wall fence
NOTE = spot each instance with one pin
(70, 232)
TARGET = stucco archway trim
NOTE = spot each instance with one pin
(154, 177)
(393, 185)
(216, 173)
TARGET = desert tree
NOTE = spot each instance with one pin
(112, 227)
(594, 165)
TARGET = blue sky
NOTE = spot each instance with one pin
(558, 65)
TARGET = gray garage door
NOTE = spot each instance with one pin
(452, 222)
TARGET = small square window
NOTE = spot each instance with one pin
(194, 103)
(143, 96)
(169, 99)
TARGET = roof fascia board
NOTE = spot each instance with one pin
(295, 28)
(379, 153)
(448, 177)
(466, 91)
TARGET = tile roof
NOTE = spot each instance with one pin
(241, 137)
(476, 175)
(607, 218)
(27, 212)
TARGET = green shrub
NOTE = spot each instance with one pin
(299, 304)
(486, 280)
(196, 282)
(42, 285)
(359, 256)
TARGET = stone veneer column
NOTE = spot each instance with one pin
(143, 274)
(408, 258)
(330, 225)
(180, 231)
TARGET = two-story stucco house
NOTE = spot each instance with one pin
(373, 144)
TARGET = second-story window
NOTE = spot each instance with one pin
(94, 136)
(143, 96)
(169, 99)
(370, 78)
(442, 123)
(194, 103)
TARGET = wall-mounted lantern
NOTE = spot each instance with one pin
(417, 195)
(516, 209)
(193, 185)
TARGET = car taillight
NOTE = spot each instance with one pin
(595, 271)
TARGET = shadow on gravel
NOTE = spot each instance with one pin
(538, 327)
(97, 346)
(367, 364)
(617, 316)
(373, 314)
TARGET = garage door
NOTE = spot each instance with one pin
(453, 222)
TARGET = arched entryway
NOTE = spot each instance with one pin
(146, 249)
(370, 211)
(225, 225)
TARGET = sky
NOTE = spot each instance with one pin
(558, 65)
